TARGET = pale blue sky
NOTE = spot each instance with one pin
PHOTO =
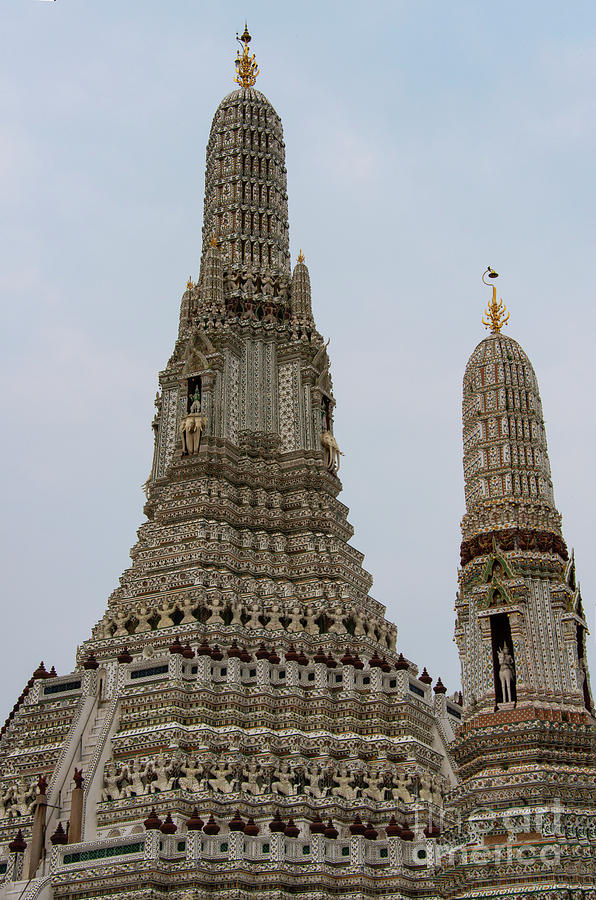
(425, 141)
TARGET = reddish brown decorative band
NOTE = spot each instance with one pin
(512, 539)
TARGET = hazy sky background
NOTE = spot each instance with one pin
(425, 141)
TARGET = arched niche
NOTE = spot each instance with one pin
(503, 658)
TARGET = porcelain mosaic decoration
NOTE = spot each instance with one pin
(240, 723)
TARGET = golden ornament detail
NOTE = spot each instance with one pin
(189, 284)
(301, 257)
(496, 312)
(246, 66)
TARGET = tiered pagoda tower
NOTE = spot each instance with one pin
(524, 811)
(240, 723)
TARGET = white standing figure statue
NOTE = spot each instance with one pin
(506, 673)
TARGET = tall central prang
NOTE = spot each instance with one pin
(239, 723)
(245, 465)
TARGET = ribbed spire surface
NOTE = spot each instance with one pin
(506, 466)
(246, 206)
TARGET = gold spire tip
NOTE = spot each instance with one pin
(189, 284)
(213, 241)
(301, 256)
(496, 314)
(246, 65)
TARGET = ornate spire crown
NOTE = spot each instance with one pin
(246, 65)
(496, 312)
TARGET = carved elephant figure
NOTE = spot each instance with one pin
(190, 430)
(331, 451)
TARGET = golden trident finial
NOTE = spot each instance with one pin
(301, 257)
(246, 66)
(496, 313)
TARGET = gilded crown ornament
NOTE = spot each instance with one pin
(246, 65)
(496, 312)
(301, 257)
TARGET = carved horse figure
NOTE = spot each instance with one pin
(505, 672)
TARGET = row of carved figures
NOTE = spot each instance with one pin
(264, 309)
(347, 781)
(298, 619)
(250, 283)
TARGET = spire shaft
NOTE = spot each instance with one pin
(246, 206)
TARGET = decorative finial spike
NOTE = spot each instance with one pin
(213, 241)
(496, 312)
(189, 283)
(301, 256)
(246, 66)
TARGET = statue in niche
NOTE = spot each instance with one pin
(195, 406)
(425, 787)
(191, 426)
(250, 784)
(254, 613)
(312, 626)
(400, 789)
(315, 787)
(506, 675)
(274, 623)
(249, 282)
(132, 779)
(331, 451)
(6, 800)
(188, 607)
(236, 608)
(337, 625)
(248, 308)
(189, 781)
(281, 782)
(120, 620)
(111, 790)
(343, 784)
(359, 628)
(437, 791)
(230, 282)
(221, 781)
(295, 625)
(267, 284)
(164, 610)
(375, 787)
(23, 797)
(162, 777)
(269, 316)
(216, 608)
(143, 619)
